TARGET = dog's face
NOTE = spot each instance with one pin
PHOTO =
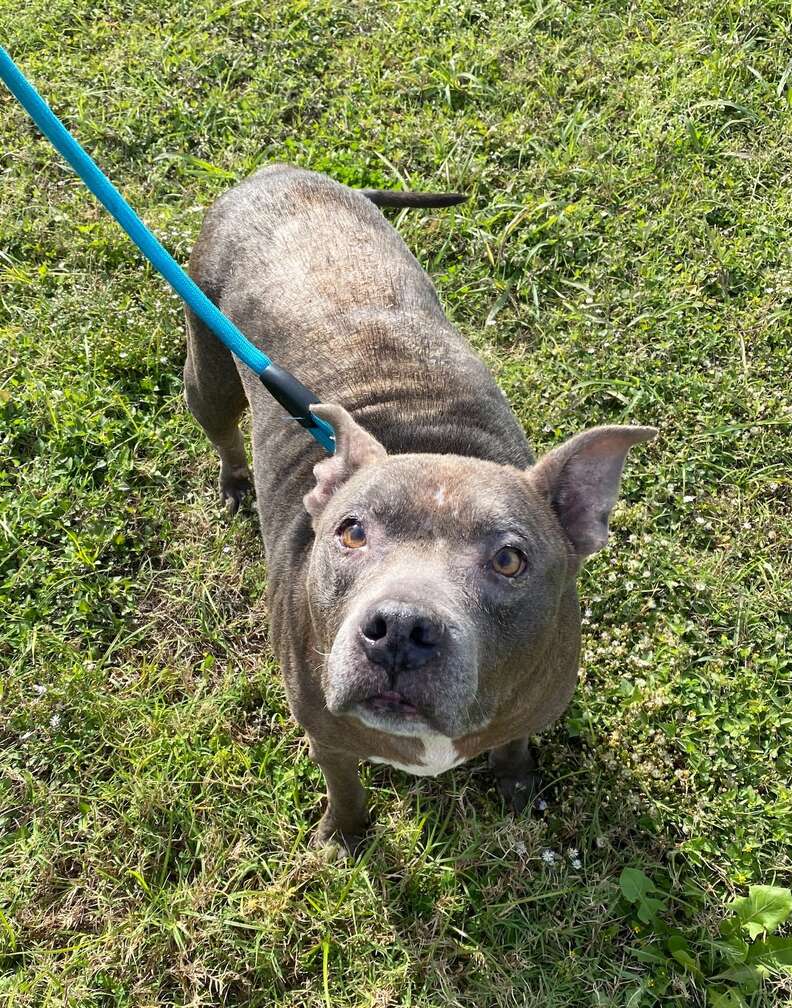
(436, 581)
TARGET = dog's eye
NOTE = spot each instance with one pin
(352, 534)
(509, 562)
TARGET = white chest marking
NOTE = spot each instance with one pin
(439, 496)
(439, 755)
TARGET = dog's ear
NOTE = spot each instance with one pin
(580, 481)
(354, 449)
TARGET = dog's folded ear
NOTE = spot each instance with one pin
(580, 480)
(354, 450)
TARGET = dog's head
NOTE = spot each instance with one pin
(437, 582)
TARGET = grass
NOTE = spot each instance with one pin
(624, 256)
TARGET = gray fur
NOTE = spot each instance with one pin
(430, 457)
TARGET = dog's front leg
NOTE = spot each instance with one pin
(346, 816)
(514, 768)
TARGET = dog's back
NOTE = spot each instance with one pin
(321, 250)
(313, 274)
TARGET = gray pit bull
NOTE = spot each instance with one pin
(422, 592)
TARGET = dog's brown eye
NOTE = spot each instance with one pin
(352, 535)
(509, 562)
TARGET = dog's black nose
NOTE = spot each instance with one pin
(400, 637)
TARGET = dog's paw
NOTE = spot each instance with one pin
(235, 485)
(520, 790)
(515, 771)
(335, 843)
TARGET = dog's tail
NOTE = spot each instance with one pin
(397, 198)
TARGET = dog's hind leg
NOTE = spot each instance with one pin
(214, 394)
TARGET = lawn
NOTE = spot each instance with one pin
(624, 256)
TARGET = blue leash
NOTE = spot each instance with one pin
(284, 387)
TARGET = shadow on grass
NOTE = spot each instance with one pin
(485, 907)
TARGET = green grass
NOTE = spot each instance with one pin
(624, 256)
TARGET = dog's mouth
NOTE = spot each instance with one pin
(391, 712)
(390, 702)
(435, 697)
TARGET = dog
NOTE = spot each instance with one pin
(422, 580)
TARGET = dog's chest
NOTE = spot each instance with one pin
(439, 754)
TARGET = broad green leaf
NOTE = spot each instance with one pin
(748, 977)
(732, 948)
(648, 909)
(731, 945)
(773, 955)
(635, 885)
(763, 909)
(678, 947)
(730, 927)
(648, 956)
(634, 997)
(725, 999)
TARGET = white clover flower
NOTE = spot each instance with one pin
(549, 857)
(520, 848)
(577, 863)
(55, 720)
(38, 689)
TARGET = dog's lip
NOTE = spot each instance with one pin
(392, 702)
